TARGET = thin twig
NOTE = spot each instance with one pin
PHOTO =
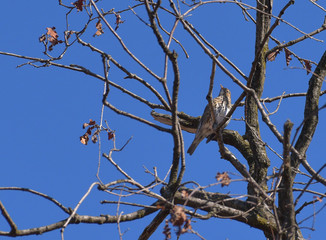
(6, 215)
(76, 208)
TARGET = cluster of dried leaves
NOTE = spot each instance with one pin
(79, 4)
(167, 230)
(178, 219)
(271, 57)
(51, 36)
(99, 28)
(91, 125)
(223, 178)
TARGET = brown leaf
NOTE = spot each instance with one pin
(79, 5)
(167, 230)
(53, 37)
(178, 216)
(84, 139)
(318, 198)
(42, 38)
(85, 125)
(118, 21)
(288, 57)
(51, 32)
(223, 178)
(99, 28)
(91, 122)
(187, 226)
(307, 64)
(271, 57)
(110, 135)
(89, 131)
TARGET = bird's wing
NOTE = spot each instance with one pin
(204, 118)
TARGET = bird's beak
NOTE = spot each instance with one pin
(221, 86)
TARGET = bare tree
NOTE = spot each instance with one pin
(270, 203)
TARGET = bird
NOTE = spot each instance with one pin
(222, 105)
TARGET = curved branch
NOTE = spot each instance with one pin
(77, 219)
(118, 111)
(310, 115)
(56, 202)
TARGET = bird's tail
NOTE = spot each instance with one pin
(193, 146)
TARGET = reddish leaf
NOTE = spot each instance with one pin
(288, 57)
(307, 64)
(167, 230)
(53, 37)
(223, 178)
(84, 139)
(79, 5)
(271, 57)
(91, 122)
(110, 135)
(51, 32)
(99, 28)
(118, 21)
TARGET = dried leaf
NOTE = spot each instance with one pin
(110, 135)
(178, 216)
(223, 178)
(271, 57)
(84, 139)
(318, 198)
(118, 21)
(42, 38)
(89, 131)
(187, 226)
(79, 5)
(91, 122)
(167, 230)
(99, 28)
(288, 57)
(53, 37)
(307, 64)
(51, 32)
(85, 125)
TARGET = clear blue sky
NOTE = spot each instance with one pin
(43, 111)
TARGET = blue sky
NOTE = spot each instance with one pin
(43, 110)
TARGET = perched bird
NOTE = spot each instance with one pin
(222, 105)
